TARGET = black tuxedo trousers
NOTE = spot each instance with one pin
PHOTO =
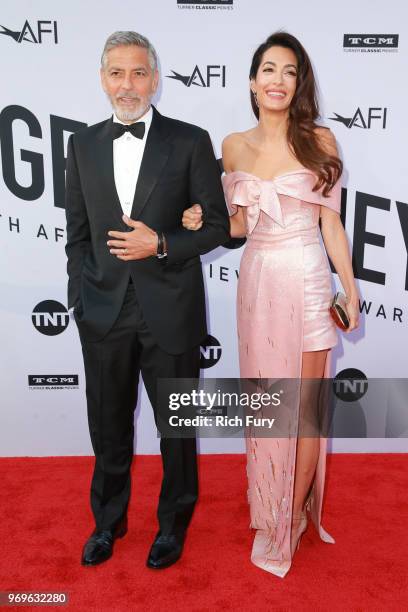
(112, 368)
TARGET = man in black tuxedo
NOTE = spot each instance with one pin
(136, 285)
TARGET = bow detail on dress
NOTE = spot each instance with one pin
(244, 189)
(258, 195)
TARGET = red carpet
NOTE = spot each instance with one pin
(45, 519)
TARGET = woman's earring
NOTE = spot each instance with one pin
(255, 97)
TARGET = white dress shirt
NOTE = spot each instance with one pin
(127, 158)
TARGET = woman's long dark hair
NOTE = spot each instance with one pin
(303, 113)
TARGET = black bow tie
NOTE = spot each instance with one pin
(137, 129)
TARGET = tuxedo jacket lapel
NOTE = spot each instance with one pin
(154, 159)
(104, 161)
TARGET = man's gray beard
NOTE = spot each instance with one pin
(124, 115)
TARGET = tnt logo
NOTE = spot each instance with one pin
(350, 385)
(210, 352)
(50, 318)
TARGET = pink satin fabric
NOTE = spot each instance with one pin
(284, 292)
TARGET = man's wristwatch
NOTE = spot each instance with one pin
(161, 246)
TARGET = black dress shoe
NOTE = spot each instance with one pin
(165, 551)
(99, 547)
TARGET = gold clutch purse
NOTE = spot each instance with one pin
(338, 311)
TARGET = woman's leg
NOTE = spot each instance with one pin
(308, 444)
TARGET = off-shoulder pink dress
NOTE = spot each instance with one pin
(284, 292)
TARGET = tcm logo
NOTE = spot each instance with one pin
(368, 42)
(33, 34)
(350, 385)
(52, 380)
(50, 318)
(362, 120)
(205, 4)
(216, 2)
(210, 352)
(201, 78)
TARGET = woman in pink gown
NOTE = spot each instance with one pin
(282, 177)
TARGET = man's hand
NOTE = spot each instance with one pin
(192, 218)
(139, 243)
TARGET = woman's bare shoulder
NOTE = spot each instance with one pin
(232, 147)
(237, 138)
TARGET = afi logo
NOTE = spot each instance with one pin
(50, 318)
(199, 78)
(210, 352)
(350, 385)
(33, 34)
(360, 120)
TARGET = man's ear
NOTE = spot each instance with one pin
(156, 79)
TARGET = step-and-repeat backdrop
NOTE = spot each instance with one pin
(50, 54)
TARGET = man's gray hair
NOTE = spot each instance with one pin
(129, 38)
